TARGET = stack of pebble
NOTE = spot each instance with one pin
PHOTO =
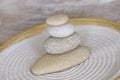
(64, 41)
(63, 37)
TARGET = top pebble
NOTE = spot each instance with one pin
(59, 19)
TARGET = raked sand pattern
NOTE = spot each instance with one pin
(16, 61)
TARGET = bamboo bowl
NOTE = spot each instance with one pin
(40, 29)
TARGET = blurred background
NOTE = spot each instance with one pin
(17, 16)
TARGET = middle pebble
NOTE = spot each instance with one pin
(62, 45)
